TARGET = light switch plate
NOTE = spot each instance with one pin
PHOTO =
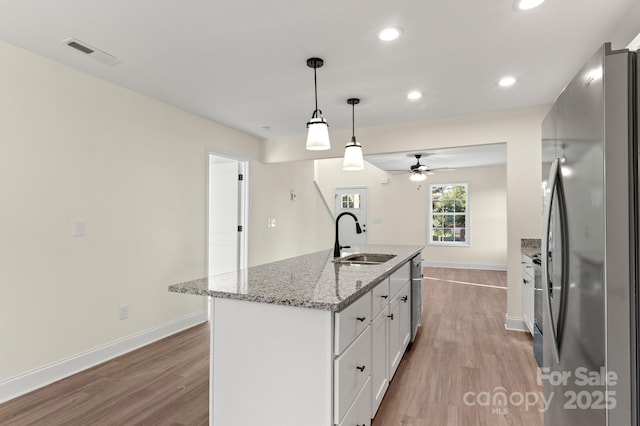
(78, 228)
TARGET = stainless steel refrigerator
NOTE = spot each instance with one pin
(589, 246)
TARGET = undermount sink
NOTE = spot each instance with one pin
(365, 258)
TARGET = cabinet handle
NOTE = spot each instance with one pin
(361, 319)
(404, 299)
(385, 296)
(361, 368)
(390, 316)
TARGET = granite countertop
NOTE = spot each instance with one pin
(309, 281)
(530, 246)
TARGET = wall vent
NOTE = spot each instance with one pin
(92, 52)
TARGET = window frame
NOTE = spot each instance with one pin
(467, 214)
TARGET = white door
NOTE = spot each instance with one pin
(352, 200)
(225, 215)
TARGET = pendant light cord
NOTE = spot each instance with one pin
(353, 122)
(315, 86)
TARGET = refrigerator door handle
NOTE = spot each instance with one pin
(552, 182)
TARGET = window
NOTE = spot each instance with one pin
(350, 201)
(449, 216)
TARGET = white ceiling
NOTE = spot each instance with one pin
(243, 63)
(448, 158)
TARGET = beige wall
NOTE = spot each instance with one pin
(73, 147)
(487, 217)
(519, 129)
(398, 211)
(302, 226)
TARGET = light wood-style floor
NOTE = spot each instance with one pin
(462, 347)
(165, 383)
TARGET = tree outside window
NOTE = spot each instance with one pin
(449, 214)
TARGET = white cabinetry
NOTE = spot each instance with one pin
(404, 300)
(352, 369)
(293, 365)
(379, 358)
(391, 331)
(379, 344)
(528, 292)
(400, 327)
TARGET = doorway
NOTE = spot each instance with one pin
(353, 200)
(227, 200)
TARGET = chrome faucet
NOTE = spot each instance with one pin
(337, 247)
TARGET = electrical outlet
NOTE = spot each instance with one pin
(123, 312)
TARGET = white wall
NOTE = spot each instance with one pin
(75, 147)
(399, 210)
(519, 129)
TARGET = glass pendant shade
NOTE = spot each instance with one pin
(318, 135)
(353, 160)
(417, 177)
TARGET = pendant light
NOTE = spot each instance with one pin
(353, 150)
(318, 135)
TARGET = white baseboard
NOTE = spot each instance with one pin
(455, 265)
(515, 323)
(35, 379)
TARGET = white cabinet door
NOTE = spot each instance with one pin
(379, 359)
(528, 290)
(351, 370)
(395, 349)
(404, 299)
(359, 413)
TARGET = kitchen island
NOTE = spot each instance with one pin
(306, 340)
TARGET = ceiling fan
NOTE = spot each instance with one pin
(418, 171)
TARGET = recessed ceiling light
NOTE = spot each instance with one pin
(529, 4)
(507, 81)
(414, 95)
(389, 34)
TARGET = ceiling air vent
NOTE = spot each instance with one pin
(95, 54)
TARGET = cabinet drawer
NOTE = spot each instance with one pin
(399, 278)
(359, 413)
(527, 266)
(351, 321)
(351, 370)
(380, 297)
